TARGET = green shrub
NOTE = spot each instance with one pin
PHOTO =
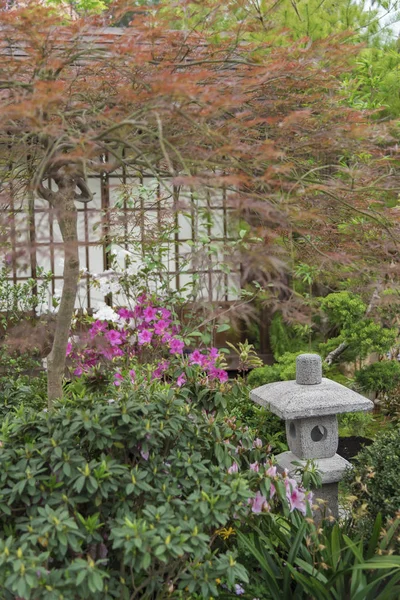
(22, 393)
(263, 375)
(261, 421)
(285, 369)
(380, 377)
(374, 482)
(357, 423)
(122, 499)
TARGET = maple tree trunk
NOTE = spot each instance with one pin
(67, 219)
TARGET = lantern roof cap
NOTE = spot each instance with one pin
(310, 395)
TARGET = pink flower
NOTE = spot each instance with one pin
(272, 491)
(78, 371)
(159, 327)
(254, 467)
(257, 443)
(97, 327)
(259, 504)
(176, 346)
(233, 469)
(295, 495)
(132, 375)
(114, 337)
(296, 499)
(214, 353)
(165, 313)
(166, 338)
(149, 314)
(271, 471)
(145, 337)
(219, 374)
(117, 379)
(126, 314)
(69, 349)
(196, 358)
(162, 367)
(181, 380)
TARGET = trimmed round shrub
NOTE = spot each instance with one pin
(263, 375)
(380, 377)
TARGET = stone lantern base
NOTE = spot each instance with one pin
(330, 469)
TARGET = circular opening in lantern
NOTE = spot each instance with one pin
(292, 430)
(318, 433)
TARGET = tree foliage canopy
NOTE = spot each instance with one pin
(264, 121)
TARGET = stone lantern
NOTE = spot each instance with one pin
(310, 406)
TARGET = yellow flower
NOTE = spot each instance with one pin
(225, 533)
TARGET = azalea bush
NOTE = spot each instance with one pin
(149, 334)
(130, 498)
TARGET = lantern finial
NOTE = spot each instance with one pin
(308, 369)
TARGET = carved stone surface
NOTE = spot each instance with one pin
(315, 437)
(310, 406)
(290, 400)
(308, 369)
(331, 469)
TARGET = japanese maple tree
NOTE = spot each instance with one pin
(260, 118)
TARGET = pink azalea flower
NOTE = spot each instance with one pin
(181, 380)
(132, 375)
(149, 314)
(296, 499)
(222, 375)
(257, 443)
(176, 346)
(117, 351)
(145, 337)
(114, 337)
(159, 327)
(214, 353)
(219, 374)
(254, 467)
(166, 338)
(117, 379)
(162, 367)
(165, 313)
(233, 469)
(108, 353)
(272, 491)
(69, 349)
(78, 371)
(259, 504)
(196, 358)
(126, 314)
(97, 327)
(271, 471)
